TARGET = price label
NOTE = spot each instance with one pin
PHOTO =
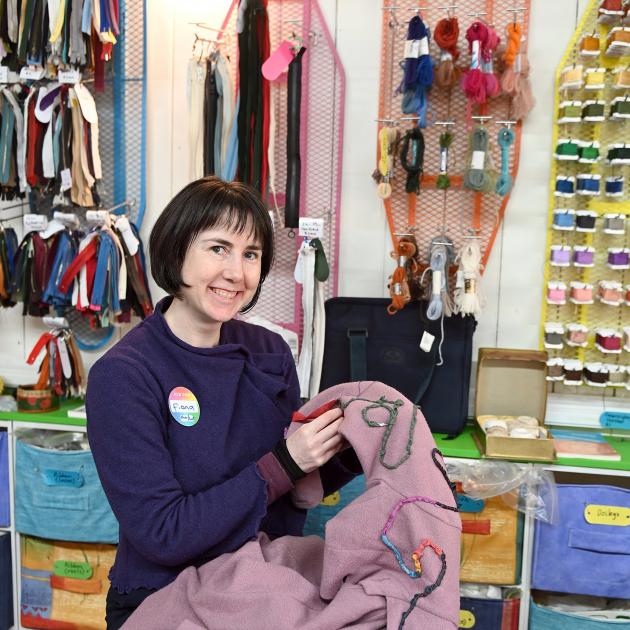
(35, 222)
(66, 179)
(67, 218)
(55, 322)
(76, 570)
(311, 228)
(98, 217)
(615, 420)
(607, 515)
(69, 76)
(32, 73)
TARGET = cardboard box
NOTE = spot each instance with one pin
(512, 383)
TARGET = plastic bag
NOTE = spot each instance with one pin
(527, 488)
(55, 440)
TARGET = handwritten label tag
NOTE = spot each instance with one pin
(55, 322)
(70, 569)
(466, 619)
(35, 222)
(32, 73)
(98, 217)
(67, 478)
(66, 179)
(67, 218)
(69, 76)
(311, 228)
(615, 420)
(607, 515)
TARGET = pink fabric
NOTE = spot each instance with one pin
(351, 578)
(278, 482)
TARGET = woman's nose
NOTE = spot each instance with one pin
(233, 269)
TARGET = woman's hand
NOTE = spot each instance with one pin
(312, 445)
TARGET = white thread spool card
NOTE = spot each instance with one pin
(32, 73)
(311, 228)
(66, 179)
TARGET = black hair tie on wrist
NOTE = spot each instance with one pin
(282, 454)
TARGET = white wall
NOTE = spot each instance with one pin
(513, 280)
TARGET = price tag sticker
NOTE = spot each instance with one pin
(66, 179)
(311, 228)
(35, 222)
(426, 343)
(98, 217)
(69, 76)
(607, 515)
(32, 73)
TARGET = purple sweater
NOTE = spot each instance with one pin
(186, 494)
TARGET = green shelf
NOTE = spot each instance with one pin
(59, 416)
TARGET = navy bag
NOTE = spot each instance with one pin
(364, 342)
(6, 583)
(4, 480)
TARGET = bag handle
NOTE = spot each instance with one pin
(599, 542)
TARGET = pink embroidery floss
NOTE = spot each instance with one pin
(473, 82)
(487, 52)
(523, 100)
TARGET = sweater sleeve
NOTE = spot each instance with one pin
(129, 442)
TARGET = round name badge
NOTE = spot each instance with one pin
(183, 406)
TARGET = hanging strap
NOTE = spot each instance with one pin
(358, 353)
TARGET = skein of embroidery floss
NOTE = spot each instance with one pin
(487, 51)
(510, 56)
(523, 100)
(446, 34)
(505, 140)
(468, 296)
(443, 181)
(477, 176)
(387, 139)
(412, 158)
(473, 83)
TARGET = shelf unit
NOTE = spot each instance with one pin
(462, 448)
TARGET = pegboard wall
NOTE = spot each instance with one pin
(606, 228)
(321, 148)
(455, 212)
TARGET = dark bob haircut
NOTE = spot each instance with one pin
(204, 204)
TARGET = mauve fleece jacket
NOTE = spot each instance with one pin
(353, 578)
(186, 494)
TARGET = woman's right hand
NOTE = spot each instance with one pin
(312, 445)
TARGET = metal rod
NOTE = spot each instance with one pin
(478, 14)
(401, 234)
(208, 28)
(122, 204)
(389, 8)
(482, 118)
(450, 6)
(505, 122)
(446, 123)
(520, 10)
(409, 118)
(15, 205)
(441, 243)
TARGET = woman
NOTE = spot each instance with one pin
(186, 414)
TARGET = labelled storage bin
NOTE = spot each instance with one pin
(541, 618)
(6, 583)
(63, 584)
(5, 518)
(58, 495)
(587, 550)
(489, 544)
(488, 614)
(331, 505)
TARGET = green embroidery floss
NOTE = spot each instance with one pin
(443, 180)
(392, 408)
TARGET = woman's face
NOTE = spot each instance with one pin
(222, 269)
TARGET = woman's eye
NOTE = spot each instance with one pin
(217, 249)
(252, 255)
